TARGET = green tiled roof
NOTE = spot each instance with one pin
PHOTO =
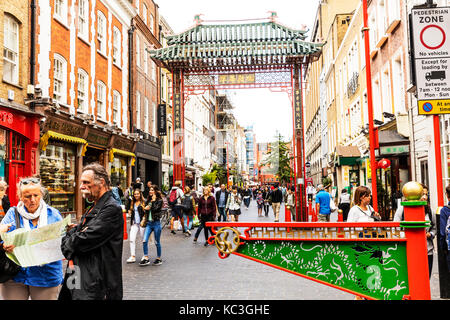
(212, 44)
(267, 31)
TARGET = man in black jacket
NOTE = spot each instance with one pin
(95, 244)
(221, 200)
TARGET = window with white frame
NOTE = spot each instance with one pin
(373, 35)
(386, 90)
(146, 112)
(101, 32)
(377, 107)
(83, 18)
(138, 110)
(398, 84)
(394, 13)
(82, 96)
(10, 50)
(138, 7)
(116, 46)
(101, 100)
(144, 13)
(138, 51)
(61, 10)
(145, 60)
(381, 18)
(153, 70)
(151, 23)
(116, 107)
(59, 79)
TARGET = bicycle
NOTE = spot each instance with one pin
(165, 217)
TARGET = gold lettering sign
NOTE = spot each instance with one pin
(297, 108)
(237, 78)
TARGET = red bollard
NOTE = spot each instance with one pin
(125, 233)
(287, 214)
(340, 219)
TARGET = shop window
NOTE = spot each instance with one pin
(57, 170)
(18, 148)
(3, 153)
(118, 169)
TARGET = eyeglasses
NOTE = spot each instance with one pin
(29, 180)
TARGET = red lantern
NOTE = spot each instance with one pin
(384, 163)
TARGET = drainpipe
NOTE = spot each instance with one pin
(130, 74)
(32, 41)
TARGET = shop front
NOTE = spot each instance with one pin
(148, 161)
(19, 140)
(390, 180)
(120, 164)
(59, 167)
(347, 167)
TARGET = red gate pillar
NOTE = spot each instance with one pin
(300, 196)
(416, 250)
(178, 127)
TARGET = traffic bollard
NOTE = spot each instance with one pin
(340, 219)
(125, 233)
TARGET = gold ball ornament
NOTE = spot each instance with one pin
(412, 190)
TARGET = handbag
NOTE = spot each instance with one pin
(8, 268)
(333, 207)
(195, 221)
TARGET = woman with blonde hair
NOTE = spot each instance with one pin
(35, 282)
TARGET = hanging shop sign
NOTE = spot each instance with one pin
(431, 37)
(162, 120)
(297, 109)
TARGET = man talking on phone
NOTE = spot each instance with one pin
(95, 244)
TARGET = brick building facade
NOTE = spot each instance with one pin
(83, 73)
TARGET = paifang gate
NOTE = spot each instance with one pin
(239, 56)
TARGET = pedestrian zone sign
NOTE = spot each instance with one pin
(431, 36)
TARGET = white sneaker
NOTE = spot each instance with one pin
(131, 260)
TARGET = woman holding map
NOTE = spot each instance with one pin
(37, 282)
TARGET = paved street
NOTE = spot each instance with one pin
(194, 272)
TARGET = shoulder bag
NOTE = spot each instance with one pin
(8, 268)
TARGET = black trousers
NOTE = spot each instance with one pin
(203, 221)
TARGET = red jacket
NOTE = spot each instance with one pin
(207, 207)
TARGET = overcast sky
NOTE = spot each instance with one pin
(266, 110)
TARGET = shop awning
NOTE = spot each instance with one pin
(122, 153)
(347, 155)
(62, 137)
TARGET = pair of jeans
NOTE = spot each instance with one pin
(156, 227)
(247, 201)
(222, 214)
(186, 225)
(203, 221)
(266, 208)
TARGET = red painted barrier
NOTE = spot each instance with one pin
(125, 233)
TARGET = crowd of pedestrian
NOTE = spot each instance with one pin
(93, 247)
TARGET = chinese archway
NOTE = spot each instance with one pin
(239, 56)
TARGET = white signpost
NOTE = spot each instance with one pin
(431, 34)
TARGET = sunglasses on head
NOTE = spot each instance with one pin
(29, 180)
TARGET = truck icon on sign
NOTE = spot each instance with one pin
(435, 75)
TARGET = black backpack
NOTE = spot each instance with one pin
(186, 203)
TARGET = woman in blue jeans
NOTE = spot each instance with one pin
(154, 205)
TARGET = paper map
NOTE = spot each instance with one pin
(38, 246)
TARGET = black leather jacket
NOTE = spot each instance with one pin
(155, 209)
